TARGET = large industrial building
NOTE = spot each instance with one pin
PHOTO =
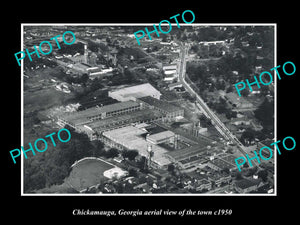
(189, 157)
(133, 138)
(97, 113)
(135, 117)
(146, 107)
(136, 137)
(171, 111)
(161, 137)
(95, 120)
(134, 92)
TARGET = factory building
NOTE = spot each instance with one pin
(134, 92)
(132, 138)
(98, 113)
(171, 111)
(161, 137)
(135, 117)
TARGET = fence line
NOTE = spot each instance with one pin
(95, 158)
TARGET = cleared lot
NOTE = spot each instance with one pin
(87, 173)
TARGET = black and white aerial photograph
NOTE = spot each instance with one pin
(157, 116)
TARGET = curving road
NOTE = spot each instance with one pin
(224, 131)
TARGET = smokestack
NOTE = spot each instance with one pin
(85, 54)
(176, 141)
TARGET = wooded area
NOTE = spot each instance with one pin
(52, 166)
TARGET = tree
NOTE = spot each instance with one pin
(230, 114)
(141, 163)
(171, 168)
(248, 135)
(108, 40)
(195, 48)
(93, 46)
(229, 89)
(84, 78)
(119, 187)
(164, 38)
(204, 121)
(99, 149)
(184, 37)
(265, 113)
(129, 154)
(245, 92)
(132, 172)
(220, 108)
(96, 84)
(252, 171)
(112, 153)
(263, 174)
(220, 85)
(238, 176)
(226, 170)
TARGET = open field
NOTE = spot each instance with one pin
(87, 173)
(40, 93)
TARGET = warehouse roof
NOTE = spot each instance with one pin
(140, 115)
(82, 116)
(170, 67)
(228, 158)
(161, 135)
(137, 91)
(131, 138)
(187, 152)
(222, 164)
(160, 104)
(235, 99)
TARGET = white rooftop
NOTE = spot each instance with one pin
(130, 137)
(140, 90)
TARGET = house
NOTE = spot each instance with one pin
(219, 164)
(237, 102)
(240, 121)
(203, 184)
(174, 85)
(199, 185)
(218, 179)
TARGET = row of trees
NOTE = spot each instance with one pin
(265, 113)
(221, 107)
(38, 62)
(72, 49)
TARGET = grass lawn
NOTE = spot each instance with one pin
(87, 173)
(47, 96)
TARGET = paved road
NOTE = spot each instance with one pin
(224, 131)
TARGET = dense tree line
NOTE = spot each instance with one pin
(250, 135)
(265, 113)
(71, 49)
(37, 62)
(77, 80)
(240, 57)
(221, 106)
(129, 154)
